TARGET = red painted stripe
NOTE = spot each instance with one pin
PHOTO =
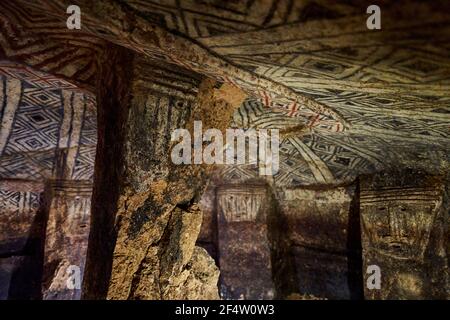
(294, 108)
(266, 99)
(314, 121)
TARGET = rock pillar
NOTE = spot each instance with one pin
(324, 234)
(22, 227)
(68, 204)
(244, 245)
(145, 214)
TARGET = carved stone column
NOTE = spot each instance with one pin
(21, 237)
(405, 234)
(324, 234)
(244, 245)
(145, 220)
(68, 205)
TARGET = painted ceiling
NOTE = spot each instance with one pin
(41, 115)
(365, 99)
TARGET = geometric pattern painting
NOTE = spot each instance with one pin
(69, 59)
(38, 122)
(200, 19)
(390, 89)
(309, 157)
(193, 57)
(19, 203)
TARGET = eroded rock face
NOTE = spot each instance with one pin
(186, 271)
(173, 267)
(203, 278)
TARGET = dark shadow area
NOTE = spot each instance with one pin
(354, 249)
(26, 280)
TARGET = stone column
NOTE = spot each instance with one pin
(68, 207)
(324, 236)
(244, 244)
(21, 237)
(207, 237)
(145, 214)
(68, 204)
(404, 235)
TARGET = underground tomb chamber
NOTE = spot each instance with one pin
(351, 204)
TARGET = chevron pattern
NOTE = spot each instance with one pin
(42, 43)
(38, 78)
(390, 88)
(312, 157)
(272, 94)
(198, 19)
(19, 202)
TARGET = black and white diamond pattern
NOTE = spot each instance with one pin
(32, 141)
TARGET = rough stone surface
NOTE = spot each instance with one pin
(186, 271)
